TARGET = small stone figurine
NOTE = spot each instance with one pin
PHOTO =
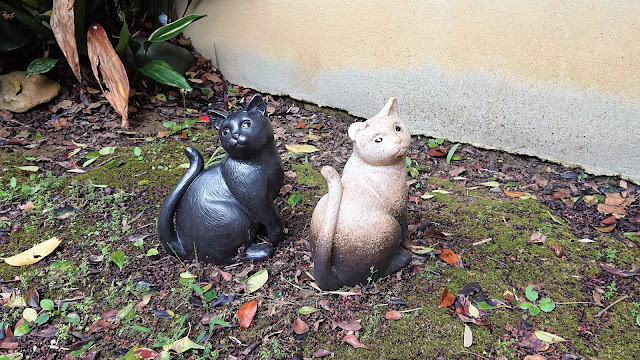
(222, 208)
(358, 227)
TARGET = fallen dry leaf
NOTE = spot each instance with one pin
(604, 229)
(513, 193)
(557, 249)
(34, 254)
(537, 238)
(63, 26)
(322, 353)
(529, 340)
(468, 336)
(614, 199)
(246, 313)
(143, 302)
(352, 326)
(437, 152)
(534, 357)
(447, 298)
(457, 171)
(450, 257)
(300, 327)
(103, 57)
(353, 341)
(393, 315)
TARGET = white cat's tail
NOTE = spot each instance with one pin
(323, 270)
(166, 229)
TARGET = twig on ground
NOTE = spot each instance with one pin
(610, 305)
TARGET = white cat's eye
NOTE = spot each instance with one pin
(246, 124)
(225, 131)
(398, 128)
(378, 139)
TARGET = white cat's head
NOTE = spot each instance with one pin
(382, 140)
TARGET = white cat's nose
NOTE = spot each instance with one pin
(397, 139)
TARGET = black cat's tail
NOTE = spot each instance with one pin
(166, 228)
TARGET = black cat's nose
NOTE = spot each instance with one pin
(235, 136)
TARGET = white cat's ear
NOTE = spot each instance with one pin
(256, 104)
(390, 108)
(354, 128)
(216, 117)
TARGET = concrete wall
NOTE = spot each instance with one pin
(555, 79)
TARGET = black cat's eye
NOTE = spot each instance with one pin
(378, 139)
(246, 124)
(398, 128)
(225, 131)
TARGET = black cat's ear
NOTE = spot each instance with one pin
(216, 117)
(257, 104)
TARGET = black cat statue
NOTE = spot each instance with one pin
(222, 208)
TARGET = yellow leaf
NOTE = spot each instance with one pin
(29, 314)
(301, 148)
(34, 254)
(473, 311)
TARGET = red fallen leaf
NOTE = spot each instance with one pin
(461, 311)
(204, 118)
(437, 152)
(322, 353)
(145, 353)
(111, 315)
(162, 134)
(478, 166)
(300, 327)
(183, 135)
(246, 313)
(101, 325)
(604, 229)
(318, 126)
(529, 340)
(143, 302)
(353, 341)
(537, 238)
(609, 221)
(393, 315)
(447, 298)
(558, 195)
(435, 234)
(301, 125)
(450, 257)
(16, 141)
(352, 326)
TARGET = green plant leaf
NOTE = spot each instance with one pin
(490, 184)
(22, 329)
(124, 312)
(531, 294)
(534, 310)
(451, 152)
(118, 258)
(525, 305)
(152, 252)
(256, 280)
(184, 344)
(140, 328)
(294, 199)
(555, 218)
(73, 318)
(216, 321)
(42, 318)
(41, 66)
(210, 295)
(547, 305)
(548, 337)
(172, 29)
(638, 319)
(162, 72)
(125, 36)
(47, 304)
(137, 151)
(307, 310)
(13, 182)
(28, 168)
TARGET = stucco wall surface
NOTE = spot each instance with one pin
(557, 80)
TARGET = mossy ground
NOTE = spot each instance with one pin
(113, 207)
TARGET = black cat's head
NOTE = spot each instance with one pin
(244, 134)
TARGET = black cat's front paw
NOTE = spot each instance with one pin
(259, 252)
(276, 236)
